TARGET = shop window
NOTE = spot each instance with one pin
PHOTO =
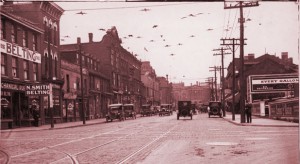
(15, 67)
(3, 33)
(35, 71)
(26, 69)
(3, 64)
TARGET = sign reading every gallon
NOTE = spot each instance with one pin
(21, 52)
(38, 89)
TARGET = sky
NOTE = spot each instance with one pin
(178, 38)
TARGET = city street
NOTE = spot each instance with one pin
(154, 140)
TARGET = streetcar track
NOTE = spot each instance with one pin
(145, 146)
(6, 158)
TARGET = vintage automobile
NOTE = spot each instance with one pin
(214, 108)
(147, 110)
(115, 111)
(165, 109)
(129, 111)
(184, 109)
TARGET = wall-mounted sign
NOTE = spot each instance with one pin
(271, 83)
(21, 52)
(38, 89)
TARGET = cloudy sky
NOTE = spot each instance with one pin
(178, 38)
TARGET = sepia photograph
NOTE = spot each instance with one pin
(149, 82)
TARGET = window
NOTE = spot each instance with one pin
(14, 34)
(77, 58)
(46, 64)
(46, 31)
(34, 42)
(83, 61)
(15, 67)
(55, 37)
(68, 82)
(26, 70)
(3, 33)
(25, 38)
(35, 71)
(55, 67)
(3, 64)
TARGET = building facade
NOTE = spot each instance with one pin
(26, 41)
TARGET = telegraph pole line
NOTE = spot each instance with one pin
(210, 82)
(241, 5)
(232, 42)
(222, 50)
(215, 68)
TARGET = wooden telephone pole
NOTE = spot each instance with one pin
(222, 50)
(240, 5)
(215, 69)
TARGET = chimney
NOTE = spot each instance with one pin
(290, 60)
(78, 40)
(251, 56)
(90, 37)
(284, 56)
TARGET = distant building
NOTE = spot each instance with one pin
(165, 88)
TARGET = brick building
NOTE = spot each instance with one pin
(165, 89)
(26, 41)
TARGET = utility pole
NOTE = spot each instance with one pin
(210, 82)
(232, 42)
(215, 68)
(241, 5)
(50, 78)
(222, 50)
(81, 82)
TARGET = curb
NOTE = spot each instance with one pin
(247, 124)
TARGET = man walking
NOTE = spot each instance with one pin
(248, 112)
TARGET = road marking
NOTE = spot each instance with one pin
(256, 139)
(221, 143)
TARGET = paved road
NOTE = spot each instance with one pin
(154, 140)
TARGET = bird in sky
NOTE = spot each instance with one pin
(101, 29)
(191, 15)
(199, 13)
(151, 40)
(125, 37)
(209, 29)
(138, 37)
(62, 40)
(145, 9)
(161, 36)
(130, 35)
(248, 19)
(66, 36)
(192, 36)
(179, 44)
(154, 26)
(81, 13)
(226, 30)
(167, 45)
(172, 54)
(183, 17)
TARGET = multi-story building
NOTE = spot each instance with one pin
(29, 57)
(165, 89)
(151, 83)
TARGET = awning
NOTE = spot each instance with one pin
(236, 98)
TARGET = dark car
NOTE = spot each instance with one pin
(214, 108)
(115, 111)
(129, 111)
(146, 110)
(184, 109)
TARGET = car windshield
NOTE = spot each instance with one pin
(214, 104)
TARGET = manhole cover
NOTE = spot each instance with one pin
(221, 143)
(256, 139)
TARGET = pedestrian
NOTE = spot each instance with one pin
(35, 114)
(248, 112)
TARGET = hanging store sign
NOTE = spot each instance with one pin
(38, 89)
(21, 52)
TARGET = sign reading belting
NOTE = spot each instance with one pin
(38, 89)
(21, 52)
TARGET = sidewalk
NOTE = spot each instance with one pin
(259, 121)
(57, 126)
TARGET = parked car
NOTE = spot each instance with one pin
(147, 110)
(184, 109)
(165, 109)
(129, 111)
(214, 108)
(115, 111)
